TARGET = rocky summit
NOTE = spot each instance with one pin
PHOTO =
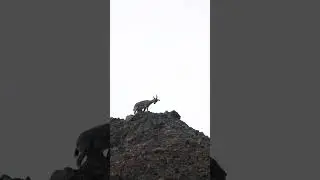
(144, 146)
(158, 146)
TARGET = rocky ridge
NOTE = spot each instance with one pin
(158, 146)
(144, 146)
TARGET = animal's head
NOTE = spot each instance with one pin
(155, 99)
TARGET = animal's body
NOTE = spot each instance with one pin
(144, 105)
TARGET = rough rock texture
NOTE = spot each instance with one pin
(158, 146)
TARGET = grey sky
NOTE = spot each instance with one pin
(161, 47)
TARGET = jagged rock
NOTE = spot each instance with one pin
(216, 172)
(174, 114)
(5, 177)
(66, 173)
(129, 117)
(91, 144)
(153, 146)
(76, 175)
(148, 146)
(98, 137)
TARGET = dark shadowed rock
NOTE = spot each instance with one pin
(66, 173)
(129, 117)
(90, 147)
(98, 137)
(216, 172)
(6, 177)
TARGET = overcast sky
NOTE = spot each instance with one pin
(161, 47)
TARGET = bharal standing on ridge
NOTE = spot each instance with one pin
(143, 106)
(154, 146)
(145, 146)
